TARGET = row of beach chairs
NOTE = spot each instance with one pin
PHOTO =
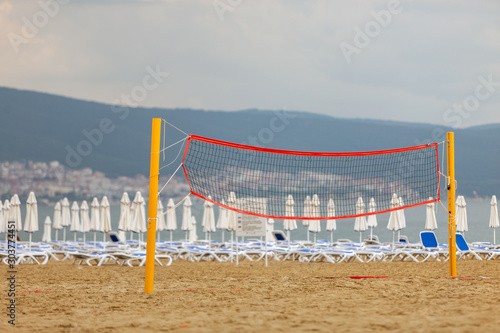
(132, 253)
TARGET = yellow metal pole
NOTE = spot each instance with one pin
(152, 207)
(452, 241)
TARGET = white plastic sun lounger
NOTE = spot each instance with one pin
(26, 257)
(334, 256)
(98, 258)
(430, 243)
(141, 259)
(464, 251)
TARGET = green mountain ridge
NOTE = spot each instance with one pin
(44, 127)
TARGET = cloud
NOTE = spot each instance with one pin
(264, 54)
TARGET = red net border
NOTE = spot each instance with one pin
(303, 153)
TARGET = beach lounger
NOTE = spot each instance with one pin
(197, 253)
(485, 253)
(369, 255)
(403, 239)
(171, 251)
(223, 254)
(464, 251)
(256, 251)
(49, 250)
(141, 259)
(114, 238)
(279, 236)
(3, 254)
(421, 255)
(361, 253)
(124, 258)
(29, 257)
(334, 256)
(343, 241)
(485, 245)
(430, 243)
(98, 258)
(279, 252)
(252, 255)
(404, 242)
(373, 238)
(396, 254)
(302, 255)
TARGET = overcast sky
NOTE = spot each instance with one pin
(398, 60)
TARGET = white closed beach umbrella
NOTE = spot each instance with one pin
(57, 219)
(139, 217)
(222, 219)
(314, 225)
(65, 216)
(232, 218)
(125, 215)
(208, 219)
(136, 216)
(75, 219)
(393, 224)
(3, 224)
(289, 225)
(171, 223)
(186, 216)
(307, 212)
(160, 219)
(47, 237)
(331, 225)
(269, 229)
(84, 219)
(15, 212)
(371, 221)
(31, 222)
(360, 224)
(6, 212)
(494, 221)
(430, 217)
(132, 208)
(193, 236)
(95, 218)
(6, 215)
(105, 217)
(461, 214)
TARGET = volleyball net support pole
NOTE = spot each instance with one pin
(452, 243)
(152, 206)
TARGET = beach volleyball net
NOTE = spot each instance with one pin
(241, 177)
(289, 185)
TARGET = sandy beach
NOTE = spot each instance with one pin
(284, 297)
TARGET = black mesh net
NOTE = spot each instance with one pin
(256, 175)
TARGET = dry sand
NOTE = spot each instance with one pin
(285, 297)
